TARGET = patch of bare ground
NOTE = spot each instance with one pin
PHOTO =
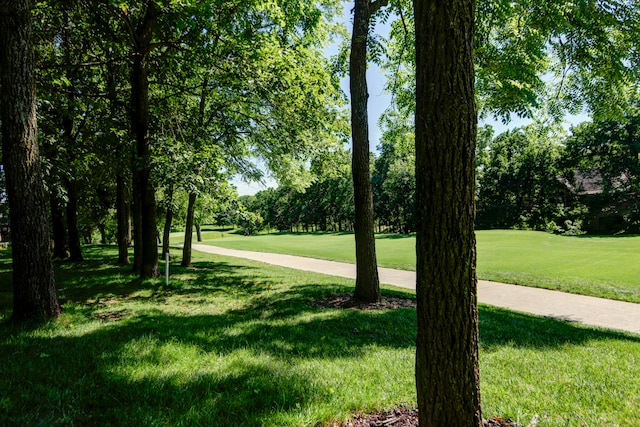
(399, 417)
(345, 300)
(407, 417)
(112, 315)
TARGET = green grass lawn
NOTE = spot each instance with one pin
(395, 251)
(607, 267)
(237, 343)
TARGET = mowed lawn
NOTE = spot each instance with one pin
(232, 342)
(607, 267)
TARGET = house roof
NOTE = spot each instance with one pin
(588, 183)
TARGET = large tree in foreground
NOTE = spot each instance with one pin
(34, 292)
(447, 373)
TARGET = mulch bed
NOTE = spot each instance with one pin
(402, 416)
(399, 417)
(345, 300)
(406, 417)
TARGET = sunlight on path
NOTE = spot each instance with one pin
(592, 311)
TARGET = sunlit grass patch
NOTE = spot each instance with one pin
(605, 267)
(222, 344)
(562, 372)
(231, 342)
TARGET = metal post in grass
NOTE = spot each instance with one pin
(166, 269)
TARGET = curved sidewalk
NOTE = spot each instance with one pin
(592, 311)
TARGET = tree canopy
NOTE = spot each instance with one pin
(137, 96)
(533, 56)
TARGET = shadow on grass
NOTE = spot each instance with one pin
(499, 327)
(224, 229)
(306, 233)
(394, 236)
(607, 236)
(98, 379)
(143, 368)
(147, 365)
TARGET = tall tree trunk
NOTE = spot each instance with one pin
(140, 128)
(34, 292)
(123, 196)
(167, 222)
(447, 373)
(75, 248)
(102, 229)
(367, 281)
(137, 225)
(188, 233)
(198, 233)
(124, 221)
(60, 244)
(69, 139)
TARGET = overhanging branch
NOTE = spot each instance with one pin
(374, 6)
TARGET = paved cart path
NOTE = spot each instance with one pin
(593, 311)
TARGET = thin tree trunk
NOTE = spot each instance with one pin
(188, 233)
(367, 281)
(447, 373)
(137, 225)
(198, 233)
(75, 247)
(103, 233)
(34, 292)
(70, 141)
(123, 196)
(167, 222)
(124, 221)
(60, 245)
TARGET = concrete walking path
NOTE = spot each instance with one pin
(592, 311)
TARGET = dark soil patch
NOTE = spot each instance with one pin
(399, 417)
(345, 300)
(406, 417)
(113, 315)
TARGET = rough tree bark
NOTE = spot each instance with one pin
(188, 234)
(367, 281)
(447, 373)
(34, 292)
(140, 128)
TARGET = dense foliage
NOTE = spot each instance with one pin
(147, 107)
(518, 184)
(537, 177)
(325, 205)
(235, 82)
(604, 159)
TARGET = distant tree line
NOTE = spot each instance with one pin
(536, 177)
(326, 204)
(585, 181)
